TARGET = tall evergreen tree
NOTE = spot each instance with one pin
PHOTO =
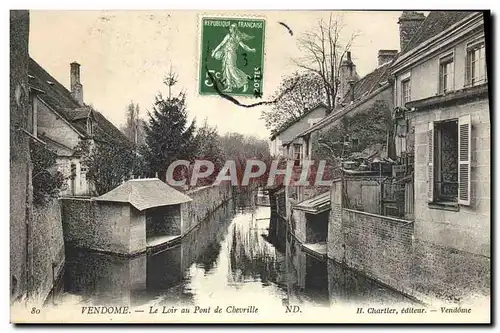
(168, 134)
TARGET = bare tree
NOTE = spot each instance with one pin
(324, 52)
(304, 90)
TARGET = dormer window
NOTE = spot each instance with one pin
(90, 127)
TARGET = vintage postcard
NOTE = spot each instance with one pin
(250, 166)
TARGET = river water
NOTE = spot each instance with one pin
(226, 258)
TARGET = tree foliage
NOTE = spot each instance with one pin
(207, 142)
(307, 93)
(241, 148)
(354, 133)
(46, 180)
(109, 162)
(236, 145)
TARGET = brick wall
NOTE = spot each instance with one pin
(385, 249)
(378, 246)
(48, 248)
(469, 228)
(205, 201)
(19, 151)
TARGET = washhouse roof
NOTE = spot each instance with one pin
(145, 193)
(315, 205)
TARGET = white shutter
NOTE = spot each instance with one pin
(430, 164)
(464, 159)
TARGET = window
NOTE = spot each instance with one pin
(446, 74)
(297, 154)
(476, 64)
(32, 114)
(405, 91)
(354, 143)
(30, 118)
(449, 161)
(90, 127)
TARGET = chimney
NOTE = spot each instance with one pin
(76, 86)
(346, 75)
(385, 56)
(409, 22)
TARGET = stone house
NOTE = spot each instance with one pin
(291, 129)
(60, 119)
(441, 92)
(373, 89)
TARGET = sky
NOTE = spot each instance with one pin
(124, 56)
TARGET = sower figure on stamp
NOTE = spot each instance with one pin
(233, 77)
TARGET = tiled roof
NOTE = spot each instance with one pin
(315, 205)
(435, 22)
(60, 99)
(145, 193)
(55, 94)
(369, 83)
(108, 128)
(290, 123)
(362, 89)
(76, 114)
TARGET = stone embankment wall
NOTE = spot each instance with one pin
(385, 249)
(48, 249)
(205, 201)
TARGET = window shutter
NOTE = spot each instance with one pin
(464, 160)
(430, 164)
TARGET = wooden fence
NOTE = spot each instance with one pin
(386, 196)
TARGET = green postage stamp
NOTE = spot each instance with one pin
(232, 54)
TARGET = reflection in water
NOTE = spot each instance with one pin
(224, 258)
